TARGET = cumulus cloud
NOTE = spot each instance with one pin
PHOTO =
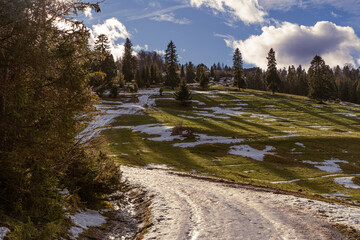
(248, 11)
(114, 30)
(296, 44)
(170, 17)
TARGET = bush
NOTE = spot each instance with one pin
(92, 175)
(180, 130)
(184, 94)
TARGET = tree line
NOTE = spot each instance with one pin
(149, 68)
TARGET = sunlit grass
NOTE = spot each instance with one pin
(324, 132)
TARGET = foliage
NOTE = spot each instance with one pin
(44, 75)
(183, 94)
(238, 70)
(91, 175)
(116, 84)
(321, 81)
(204, 80)
(272, 79)
(103, 62)
(190, 72)
(172, 79)
(129, 63)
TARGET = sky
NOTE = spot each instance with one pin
(208, 31)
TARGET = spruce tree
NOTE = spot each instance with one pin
(128, 61)
(204, 80)
(190, 72)
(172, 78)
(272, 78)
(321, 80)
(103, 62)
(182, 72)
(184, 94)
(238, 70)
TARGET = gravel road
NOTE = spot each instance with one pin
(189, 208)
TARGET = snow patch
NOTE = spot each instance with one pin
(110, 112)
(158, 166)
(346, 114)
(247, 151)
(300, 144)
(346, 182)
(329, 166)
(84, 220)
(205, 139)
(3, 232)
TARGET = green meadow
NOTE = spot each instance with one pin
(309, 145)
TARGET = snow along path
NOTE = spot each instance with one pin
(190, 208)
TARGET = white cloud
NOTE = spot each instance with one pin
(170, 17)
(334, 14)
(87, 12)
(296, 44)
(248, 11)
(112, 28)
(138, 48)
(160, 52)
(154, 4)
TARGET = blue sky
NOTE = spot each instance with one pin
(208, 31)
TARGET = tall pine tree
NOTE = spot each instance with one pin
(272, 78)
(128, 62)
(172, 78)
(238, 70)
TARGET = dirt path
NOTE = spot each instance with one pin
(188, 208)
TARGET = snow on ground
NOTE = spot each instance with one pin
(247, 151)
(3, 232)
(158, 166)
(346, 182)
(166, 131)
(189, 117)
(116, 109)
(300, 144)
(189, 208)
(198, 102)
(346, 114)
(205, 139)
(207, 114)
(329, 166)
(154, 129)
(84, 220)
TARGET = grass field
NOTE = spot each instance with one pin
(281, 141)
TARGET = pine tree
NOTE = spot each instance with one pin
(182, 72)
(184, 94)
(272, 78)
(172, 79)
(128, 61)
(203, 80)
(190, 73)
(238, 70)
(103, 62)
(321, 80)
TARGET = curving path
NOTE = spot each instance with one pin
(189, 208)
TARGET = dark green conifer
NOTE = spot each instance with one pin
(272, 78)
